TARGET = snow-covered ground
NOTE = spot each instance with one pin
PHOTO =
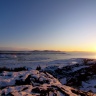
(80, 75)
(52, 79)
(89, 85)
(34, 83)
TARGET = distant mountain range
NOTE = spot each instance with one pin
(32, 52)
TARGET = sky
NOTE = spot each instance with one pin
(65, 25)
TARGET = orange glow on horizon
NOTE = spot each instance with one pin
(57, 48)
(82, 49)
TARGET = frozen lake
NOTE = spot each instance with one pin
(43, 59)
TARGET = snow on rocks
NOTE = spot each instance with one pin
(28, 82)
(34, 83)
(76, 75)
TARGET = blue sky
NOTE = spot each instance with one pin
(67, 25)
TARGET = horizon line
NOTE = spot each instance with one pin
(45, 50)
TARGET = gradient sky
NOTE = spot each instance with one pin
(67, 25)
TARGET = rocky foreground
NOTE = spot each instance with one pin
(50, 81)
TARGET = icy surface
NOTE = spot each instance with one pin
(13, 63)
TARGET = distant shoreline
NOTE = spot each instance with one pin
(32, 52)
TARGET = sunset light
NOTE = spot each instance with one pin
(45, 24)
(47, 47)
